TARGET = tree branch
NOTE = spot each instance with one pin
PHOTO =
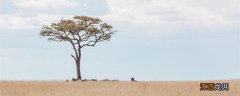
(94, 43)
(74, 57)
(74, 48)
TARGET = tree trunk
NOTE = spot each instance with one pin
(78, 69)
(77, 58)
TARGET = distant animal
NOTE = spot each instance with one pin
(94, 79)
(105, 80)
(133, 80)
(73, 79)
(84, 80)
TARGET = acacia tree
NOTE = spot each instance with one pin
(81, 31)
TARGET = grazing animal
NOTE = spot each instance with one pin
(105, 80)
(84, 80)
(73, 79)
(94, 80)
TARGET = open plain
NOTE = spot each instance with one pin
(114, 88)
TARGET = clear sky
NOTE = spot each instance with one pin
(155, 40)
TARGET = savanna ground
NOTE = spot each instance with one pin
(116, 88)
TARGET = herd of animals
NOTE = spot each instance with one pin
(95, 80)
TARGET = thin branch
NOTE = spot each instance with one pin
(74, 48)
(88, 44)
(74, 57)
(94, 43)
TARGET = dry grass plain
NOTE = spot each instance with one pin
(117, 88)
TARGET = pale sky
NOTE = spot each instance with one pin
(155, 40)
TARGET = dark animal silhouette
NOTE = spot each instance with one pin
(73, 79)
(133, 80)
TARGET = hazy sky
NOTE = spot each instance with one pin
(155, 40)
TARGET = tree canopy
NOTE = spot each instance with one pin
(82, 30)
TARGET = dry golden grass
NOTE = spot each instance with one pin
(121, 88)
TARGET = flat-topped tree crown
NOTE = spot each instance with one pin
(80, 31)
